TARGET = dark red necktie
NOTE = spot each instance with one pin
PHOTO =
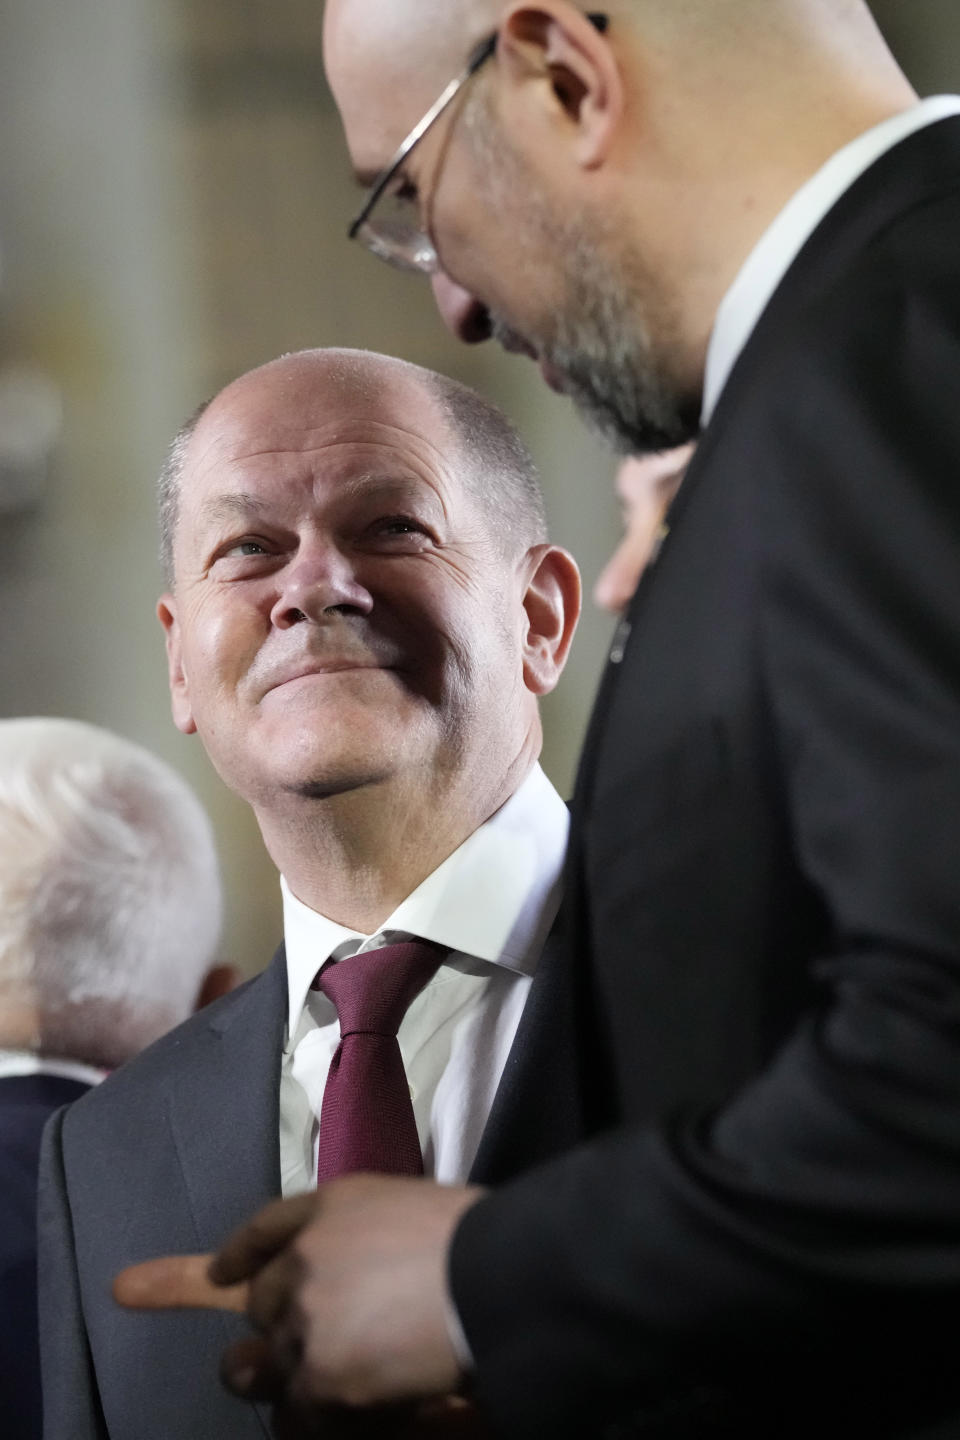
(366, 1119)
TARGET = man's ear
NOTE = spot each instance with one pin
(556, 44)
(551, 606)
(179, 685)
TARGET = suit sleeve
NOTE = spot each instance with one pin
(71, 1403)
(797, 1254)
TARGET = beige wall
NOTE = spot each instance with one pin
(173, 195)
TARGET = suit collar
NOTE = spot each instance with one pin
(493, 898)
(918, 169)
(25, 1062)
(784, 238)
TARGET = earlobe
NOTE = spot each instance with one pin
(552, 608)
(556, 43)
(179, 685)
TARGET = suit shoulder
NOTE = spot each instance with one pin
(146, 1078)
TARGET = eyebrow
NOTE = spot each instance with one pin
(232, 507)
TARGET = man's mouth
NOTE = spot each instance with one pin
(511, 340)
(553, 377)
(516, 344)
(316, 670)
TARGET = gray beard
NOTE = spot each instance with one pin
(622, 399)
(612, 337)
(607, 362)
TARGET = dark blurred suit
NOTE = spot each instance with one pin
(26, 1103)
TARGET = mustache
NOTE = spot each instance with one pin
(325, 654)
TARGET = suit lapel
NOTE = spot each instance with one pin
(538, 1110)
(224, 1108)
(224, 1113)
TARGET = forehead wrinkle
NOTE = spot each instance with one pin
(365, 434)
(241, 503)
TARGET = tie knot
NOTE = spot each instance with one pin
(372, 991)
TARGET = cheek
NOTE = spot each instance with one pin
(219, 639)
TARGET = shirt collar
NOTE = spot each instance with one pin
(783, 240)
(494, 898)
(25, 1062)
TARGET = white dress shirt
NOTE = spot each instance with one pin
(491, 902)
(25, 1062)
(782, 241)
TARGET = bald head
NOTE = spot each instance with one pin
(362, 35)
(413, 44)
(485, 450)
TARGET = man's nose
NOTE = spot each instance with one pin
(461, 312)
(320, 581)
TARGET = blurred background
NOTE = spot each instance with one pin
(173, 197)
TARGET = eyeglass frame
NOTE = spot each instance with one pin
(480, 54)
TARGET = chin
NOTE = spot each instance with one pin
(319, 770)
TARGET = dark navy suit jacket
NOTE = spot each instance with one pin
(26, 1103)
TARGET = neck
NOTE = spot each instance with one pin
(354, 857)
(20, 1028)
(726, 160)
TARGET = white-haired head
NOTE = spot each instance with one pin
(110, 898)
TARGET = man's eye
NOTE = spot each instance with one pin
(243, 548)
(398, 525)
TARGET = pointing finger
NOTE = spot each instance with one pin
(175, 1282)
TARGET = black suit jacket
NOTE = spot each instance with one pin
(26, 1103)
(168, 1156)
(763, 903)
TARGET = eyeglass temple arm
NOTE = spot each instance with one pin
(480, 54)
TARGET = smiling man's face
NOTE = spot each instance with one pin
(342, 614)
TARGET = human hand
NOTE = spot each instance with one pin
(347, 1288)
(177, 1282)
(645, 485)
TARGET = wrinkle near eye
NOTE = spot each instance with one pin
(458, 563)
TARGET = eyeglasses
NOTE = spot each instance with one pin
(396, 234)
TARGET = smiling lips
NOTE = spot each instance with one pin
(332, 666)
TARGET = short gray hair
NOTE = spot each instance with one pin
(499, 470)
(110, 894)
(168, 489)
